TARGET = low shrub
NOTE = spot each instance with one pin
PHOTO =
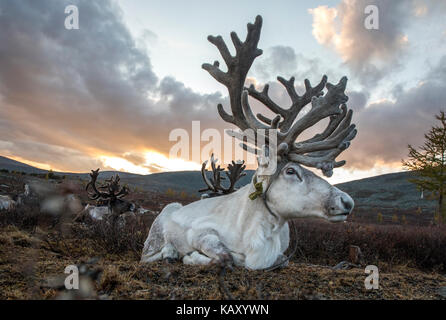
(120, 237)
(326, 243)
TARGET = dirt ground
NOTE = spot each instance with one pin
(32, 267)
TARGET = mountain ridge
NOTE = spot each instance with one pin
(383, 193)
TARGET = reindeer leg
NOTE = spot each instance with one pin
(208, 242)
(196, 258)
(169, 253)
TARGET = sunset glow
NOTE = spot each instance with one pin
(154, 162)
(74, 100)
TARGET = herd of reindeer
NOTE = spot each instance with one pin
(249, 226)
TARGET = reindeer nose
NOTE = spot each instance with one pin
(347, 202)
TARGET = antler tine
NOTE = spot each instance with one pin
(209, 184)
(123, 192)
(214, 183)
(265, 99)
(334, 122)
(234, 173)
(289, 86)
(332, 142)
(297, 102)
(250, 118)
(322, 107)
(238, 68)
(216, 173)
(97, 194)
(338, 129)
(324, 160)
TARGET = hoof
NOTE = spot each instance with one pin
(170, 260)
(225, 261)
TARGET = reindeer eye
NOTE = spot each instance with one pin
(291, 171)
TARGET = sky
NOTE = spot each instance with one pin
(110, 93)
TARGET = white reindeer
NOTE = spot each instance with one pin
(249, 227)
(6, 203)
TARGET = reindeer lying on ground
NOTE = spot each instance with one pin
(109, 197)
(7, 203)
(249, 227)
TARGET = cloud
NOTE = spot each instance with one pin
(284, 61)
(91, 90)
(41, 154)
(385, 128)
(357, 100)
(69, 98)
(277, 60)
(370, 54)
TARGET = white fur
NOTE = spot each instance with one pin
(211, 229)
(6, 203)
(97, 213)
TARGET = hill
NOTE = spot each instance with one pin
(12, 165)
(385, 193)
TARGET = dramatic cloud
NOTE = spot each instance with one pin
(90, 90)
(81, 99)
(286, 62)
(387, 127)
(369, 53)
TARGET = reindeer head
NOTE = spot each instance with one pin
(109, 193)
(291, 190)
(295, 192)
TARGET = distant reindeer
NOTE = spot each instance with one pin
(249, 227)
(214, 184)
(109, 197)
(7, 203)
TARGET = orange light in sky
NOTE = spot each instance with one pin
(152, 159)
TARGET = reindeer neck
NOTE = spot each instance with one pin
(252, 212)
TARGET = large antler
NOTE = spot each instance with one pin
(213, 184)
(321, 150)
(111, 186)
(234, 173)
(238, 67)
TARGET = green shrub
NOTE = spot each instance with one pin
(379, 217)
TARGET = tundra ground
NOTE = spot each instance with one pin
(29, 263)
(34, 252)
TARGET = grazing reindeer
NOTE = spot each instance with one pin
(249, 227)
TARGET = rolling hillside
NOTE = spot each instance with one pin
(385, 193)
(12, 165)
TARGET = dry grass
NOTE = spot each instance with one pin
(35, 248)
(27, 261)
(416, 246)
